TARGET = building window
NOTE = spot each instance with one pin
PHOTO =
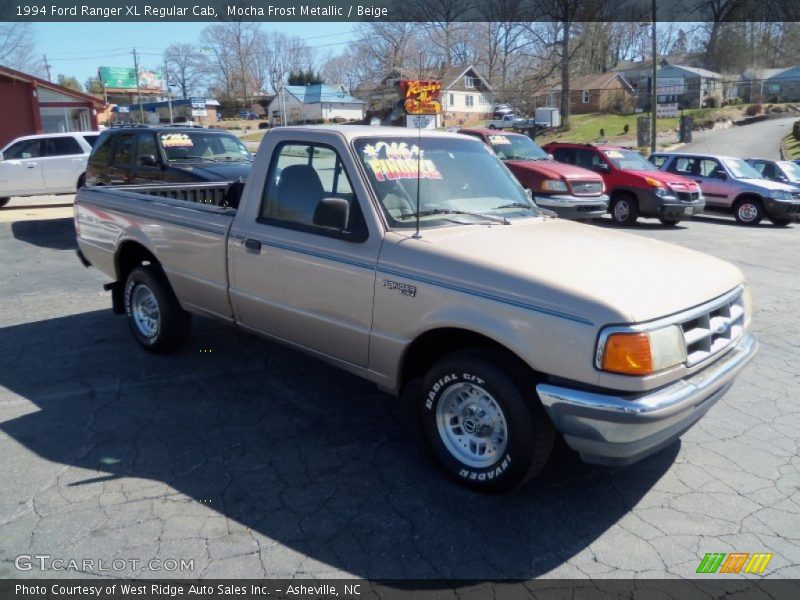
(469, 82)
(586, 96)
(468, 100)
(452, 99)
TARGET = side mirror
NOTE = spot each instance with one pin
(550, 156)
(332, 213)
(148, 160)
(602, 167)
(721, 175)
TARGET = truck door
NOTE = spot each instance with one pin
(147, 150)
(120, 170)
(294, 279)
(714, 181)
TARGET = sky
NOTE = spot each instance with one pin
(78, 49)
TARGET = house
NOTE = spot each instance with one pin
(30, 105)
(698, 84)
(466, 96)
(604, 92)
(202, 111)
(316, 103)
(771, 85)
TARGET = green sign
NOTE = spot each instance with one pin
(125, 78)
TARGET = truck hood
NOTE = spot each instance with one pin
(668, 179)
(585, 272)
(555, 170)
(211, 171)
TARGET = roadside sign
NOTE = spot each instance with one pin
(421, 121)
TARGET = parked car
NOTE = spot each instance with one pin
(402, 256)
(137, 155)
(784, 171)
(250, 116)
(569, 191)
(511, 121)
(731, 185)
(636, 187)
(50, 163)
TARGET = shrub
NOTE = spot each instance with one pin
(775, 99)
(710, 102)
(626, 128)
(796, 130)
(753, 110)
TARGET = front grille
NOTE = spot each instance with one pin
(688, 196)
(713, 330)
(587, 188)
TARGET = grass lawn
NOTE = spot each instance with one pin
(586, 128)
(255, 136)
(792, 147)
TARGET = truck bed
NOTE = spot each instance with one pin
(222, 194)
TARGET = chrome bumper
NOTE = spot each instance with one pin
(615, 430)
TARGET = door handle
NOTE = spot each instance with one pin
(252, 244)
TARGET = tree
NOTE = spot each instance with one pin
(184, 67)
(231, 60)
(17, 48)
(69, 82)
(93, 85)
(303, 77)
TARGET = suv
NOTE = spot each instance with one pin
(636, 187)
(141, 155)
(784, 171)
(571, 192)
(50, 163)
(731, 185)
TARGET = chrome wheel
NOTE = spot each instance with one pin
(472, 425)
(144, 310)
(621, 210)
(747, 212)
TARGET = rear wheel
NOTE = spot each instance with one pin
(4, 201)
(156, 319)
(748, 211)
(624, 210)
(480, 427)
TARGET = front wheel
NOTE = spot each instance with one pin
(492, 127)
(480, 427)
(4, 201)
(156, 319)
(669, 222)
(624, 210)
(748, 211)
(780, 221)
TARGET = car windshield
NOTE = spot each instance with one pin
(629, 160)
(740, 169)
(459, 182)
(791, 170)
(203, 145)
(515, 147)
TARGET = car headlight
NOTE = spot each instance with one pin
(780, 195)
(554, 185)
(664, 193)
(641, 352)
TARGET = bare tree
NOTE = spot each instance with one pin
(17, 48)
(184, 65)
(232, 49)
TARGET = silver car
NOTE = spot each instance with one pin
(730, 184)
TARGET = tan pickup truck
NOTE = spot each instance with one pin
(401, 256)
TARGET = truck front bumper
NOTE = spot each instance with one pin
(617, 430)
(782, 208)
(574, 207)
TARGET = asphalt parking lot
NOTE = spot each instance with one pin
(245, 459)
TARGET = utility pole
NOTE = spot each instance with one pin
(654, 99)
(47, 66)
(138, 87)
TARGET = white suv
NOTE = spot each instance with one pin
(51, 163)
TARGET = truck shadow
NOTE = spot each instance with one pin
(56, 234)
(317, 460)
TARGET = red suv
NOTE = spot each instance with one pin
(637, 188)
(570, 192)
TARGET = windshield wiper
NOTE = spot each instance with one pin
(514, 205)
(193, 157)
(447, 211)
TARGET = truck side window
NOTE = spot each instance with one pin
(300, 176)
(709, 168)
(123, 155)
(565, 155)
(102, 153)
(147, 147)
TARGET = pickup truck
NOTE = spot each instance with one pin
(512, 121)
(405, 257)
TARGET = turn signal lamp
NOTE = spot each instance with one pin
(654, 182)
(643, 353)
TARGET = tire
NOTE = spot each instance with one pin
(780, 221)
(4, 201)
(748, 211)
(669, 222)
(81, 181)
(479, 426)
(156, 319)
(624, 210)
(492, 127)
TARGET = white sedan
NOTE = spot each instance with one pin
(50, 163)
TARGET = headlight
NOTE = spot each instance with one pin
(642, 353)
(554, 185)
(780, 195)
(664, 193)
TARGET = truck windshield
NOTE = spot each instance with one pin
(791, 170)
(628, 160)
(740, 169)
(509, 146)
(459, 182)
(203, 145)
